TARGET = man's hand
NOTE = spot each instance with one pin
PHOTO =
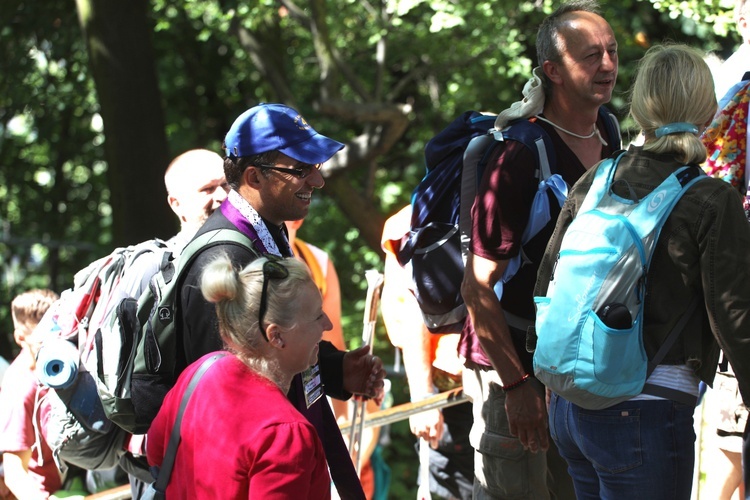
(364, 373)
(428, 425)
(527, 415)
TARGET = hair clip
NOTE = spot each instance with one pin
(676, 128)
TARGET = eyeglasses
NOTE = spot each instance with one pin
(301, 171)
(272, 270)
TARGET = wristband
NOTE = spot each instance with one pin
(515, 384)
(424, 396)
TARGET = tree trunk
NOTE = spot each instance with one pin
(121, 57)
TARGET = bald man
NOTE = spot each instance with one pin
(196, 186)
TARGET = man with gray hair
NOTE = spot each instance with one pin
(577, 55)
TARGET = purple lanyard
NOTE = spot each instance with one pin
(237, 219)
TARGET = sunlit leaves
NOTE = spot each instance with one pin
(704, 19)
(46, 109)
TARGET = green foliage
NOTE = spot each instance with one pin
(53, 200)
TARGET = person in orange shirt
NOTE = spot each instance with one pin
(432, 365)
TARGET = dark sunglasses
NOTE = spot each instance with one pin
(301, 171)
(272, 270)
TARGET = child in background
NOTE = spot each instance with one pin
(30, 472)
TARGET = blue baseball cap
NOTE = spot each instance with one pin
(276, 127)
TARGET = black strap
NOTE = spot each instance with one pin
(664, 392)
(165, 472)
(671, 394)
(689, 174)
(612, 126)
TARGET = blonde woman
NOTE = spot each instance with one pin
(644, 447)
(241, 437)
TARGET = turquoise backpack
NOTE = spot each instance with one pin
(589, 325)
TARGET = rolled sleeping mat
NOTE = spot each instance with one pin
(57, 363)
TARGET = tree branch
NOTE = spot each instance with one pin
(393, 118)
(265, 62)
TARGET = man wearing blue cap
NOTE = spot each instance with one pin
(272, 166)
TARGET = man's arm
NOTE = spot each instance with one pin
(331, 362)
(406, 329)
(416, 350)
(351, 372)
(525, 405)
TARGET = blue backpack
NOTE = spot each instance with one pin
(589, 346)
(438, 242)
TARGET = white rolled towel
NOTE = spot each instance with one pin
(532, 103)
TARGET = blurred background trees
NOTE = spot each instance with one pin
(97, 97)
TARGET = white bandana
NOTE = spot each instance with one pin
(531, 104)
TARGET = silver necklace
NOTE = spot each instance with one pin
(593, 133)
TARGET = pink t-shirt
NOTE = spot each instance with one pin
(17, 398)
(241, 438)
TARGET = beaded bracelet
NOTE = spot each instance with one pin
(515, 384)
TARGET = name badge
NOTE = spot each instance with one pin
(313, 385)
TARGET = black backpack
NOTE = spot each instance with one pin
(438, 243)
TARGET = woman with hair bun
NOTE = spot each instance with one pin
(241, 437)
(645, 447)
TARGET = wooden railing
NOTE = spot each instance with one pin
(406, 410)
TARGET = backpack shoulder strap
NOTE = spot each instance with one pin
(666, 392)
(534, 137)
(475, 155)
(218, 237)
(601, 183)
(687, 176)
(203, 242)
(612, 127)
(175, 436)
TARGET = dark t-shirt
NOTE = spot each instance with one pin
(500, 215)
(198, 324)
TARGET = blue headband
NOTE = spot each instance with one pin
(676, 128)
